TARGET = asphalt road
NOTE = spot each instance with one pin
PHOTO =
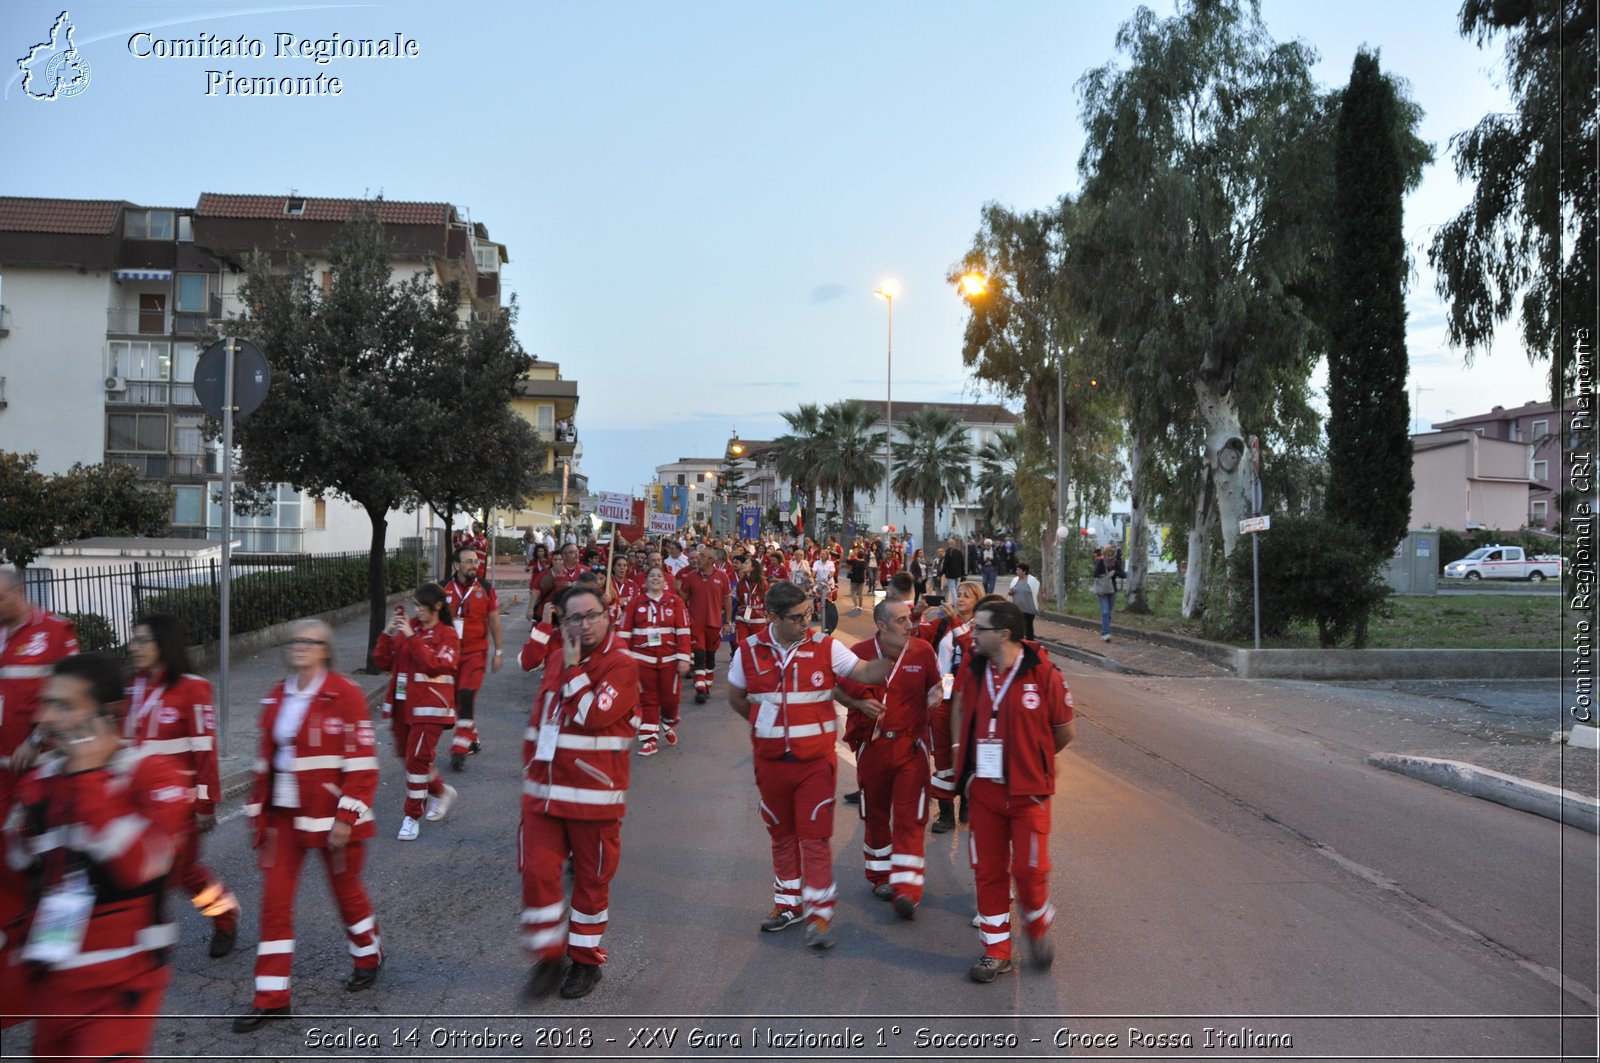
(1224, 861)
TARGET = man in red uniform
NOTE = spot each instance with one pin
(709, 596)
(94, 829)
(574, 795)
(954, 649)
(1013, 712)
(655, 630)
(892, 763)
(782, 682)
(476, 614)
(31, 640)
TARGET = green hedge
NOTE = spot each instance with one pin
(1312, 571)
(262, 599)
(95, 633)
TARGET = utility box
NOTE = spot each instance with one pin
(1414, 568)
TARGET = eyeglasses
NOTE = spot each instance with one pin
(306, 642)
(980, 627)
(796, 618)
(583, 618)
(141, 640)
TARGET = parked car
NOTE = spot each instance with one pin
(1504, 562)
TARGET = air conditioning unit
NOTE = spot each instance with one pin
(116, 383)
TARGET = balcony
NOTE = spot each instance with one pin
(152, 393)
(137, 322)
(2, 392)
(549, 483)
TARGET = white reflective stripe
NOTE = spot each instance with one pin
(545, 938)
(906, 860)
(315, 763)
(584, 917)
(160, 936)
(25, 671)
(1048, 912)
(360, 764)
(363, 926)
(790, 899)
(418, 778)
(645, 657)
(114, 839)
(429, 710)
(993, 939)
(203, 792)
(417, 793)
(805, 730)
(799, 697)
(350, 804)
(590, 742)
(574, 794)
(870, 851)
(994, 920)
(588, 941)
(365, 950)
(684, 657)
(202, 743)
(647, 631)
(575, 684)
(550, 913)
(444, 679)
(585, 703)
(252, 810)
(787, 883)
(817, 895)
(538, 636)
(166, 747)
(530, 734)
(313, 825)
(908, 877)
(877, 865)
(680, 631)
(265, 984)
(283, 946)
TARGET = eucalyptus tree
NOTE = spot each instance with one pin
(932, 464)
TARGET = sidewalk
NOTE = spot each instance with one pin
(1477, 754)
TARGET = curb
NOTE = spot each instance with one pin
(1216, 653)
(1563, 806)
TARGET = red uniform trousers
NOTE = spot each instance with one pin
(14, 988)
(659, 688)
(704, 641)
(281, 855)
(206, 892)
(594, 845)
(743, 629)
(1010, 840)
(469, 678)
(943, 759)
(113, 1022)
(893, 773)
(416, 744)
(797, 807)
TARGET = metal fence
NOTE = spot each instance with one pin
(106, 602)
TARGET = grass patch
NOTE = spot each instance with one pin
(1466, 622)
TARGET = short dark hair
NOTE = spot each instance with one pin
(433, 596)
(577, 590)
(1004, 615)
(902, 582)
(101, 671)
(170, 643)
(1022, 566)
(455, 555)
(784, 596)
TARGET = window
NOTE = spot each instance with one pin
(546, 418)
(186, 228)
(186, 436)
(277, 529)
(320, 509)
(487, 259)
(1541, 510)
(140, 432)
(192, 291)
(140, 360)
(1514, 431)
(1541, 470)
(188, 357)
(1540, 429)
(295, 207)
(186, 509)
(147, 225)
(327, 283)
(680, 479)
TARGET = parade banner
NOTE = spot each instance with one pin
(633, 531)
(663, 523)
(615, 507)
(749, 522)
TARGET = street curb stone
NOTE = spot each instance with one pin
(1563, 806)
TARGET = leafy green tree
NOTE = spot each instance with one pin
(1369, 440)
(1001, 461)
(849, 459)
(27, 521)
(932, 464)
(1527, 241)
(1322, 572)
(84, 502)
(1201, 167)
(797, 456)
(356, 409)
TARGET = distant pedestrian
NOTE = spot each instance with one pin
(952, 568)
(988, 566)
(1025, 593)
(475, 611)
(423, 652)
(1105, 588)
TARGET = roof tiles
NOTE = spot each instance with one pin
(92, 217)
(390, 212)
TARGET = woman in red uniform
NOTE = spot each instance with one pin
(751, 591)
(422, 696)
(170, 716)
(655, 633)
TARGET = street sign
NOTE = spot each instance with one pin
(663, 523)
(1254, 524)
(251, 378)
(615, 506)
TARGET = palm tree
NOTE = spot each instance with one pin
(849, 458)
(998, 464)
(932, 465)
(797, 455)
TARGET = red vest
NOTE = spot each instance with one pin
(25, 659)
(791, 705)
(595, 706)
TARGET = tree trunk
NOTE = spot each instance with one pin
(1138, 553)
(1227, 460)
(1194, 584)
(376, 618)
(926, 542)
(813, 519)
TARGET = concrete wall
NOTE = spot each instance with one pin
(53, 363)
(1439, 497)
(1397, 664)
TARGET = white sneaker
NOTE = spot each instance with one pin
(439, 807)
(1105, 638)
(409, 829)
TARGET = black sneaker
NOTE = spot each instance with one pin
(947, 818)
(458, 762)
(989, 968)
(1041, 951)
(542, 980)
(701, 697)
(255, 1018)
(780, 919)
(883, 891)
(222, 942)
(905, 907)
(474, 748)
(581, 980)
(363, 978)
(853, 797)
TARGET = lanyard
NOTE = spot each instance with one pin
(996, 698)
(138, 705)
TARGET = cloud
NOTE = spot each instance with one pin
(827, 293)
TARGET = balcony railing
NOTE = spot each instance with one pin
(137, 322)
(152, 393)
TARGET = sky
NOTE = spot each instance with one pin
(698, 199)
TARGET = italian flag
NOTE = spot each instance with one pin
(799, 517)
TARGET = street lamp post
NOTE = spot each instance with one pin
(887, 291)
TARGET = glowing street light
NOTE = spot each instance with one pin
(887, 291)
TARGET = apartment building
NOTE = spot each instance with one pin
(1542, 426)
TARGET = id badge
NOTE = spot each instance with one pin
(461, 628)
(991, 758)
(400, 686)
(61, 922)
(653, 639)
(949, 684)
(285, 790)
(546, 750)
(768, 716)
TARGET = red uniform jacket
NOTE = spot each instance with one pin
(595, 707)
(705, 595)
(904, 697)
(655, 631)
(121, 825)
(335, 764)
(427, 660)
(1036, 702)
(26, 655)
(541, 641)
(752, 605)
(791, 707)
(176, 722)
(471, 606)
